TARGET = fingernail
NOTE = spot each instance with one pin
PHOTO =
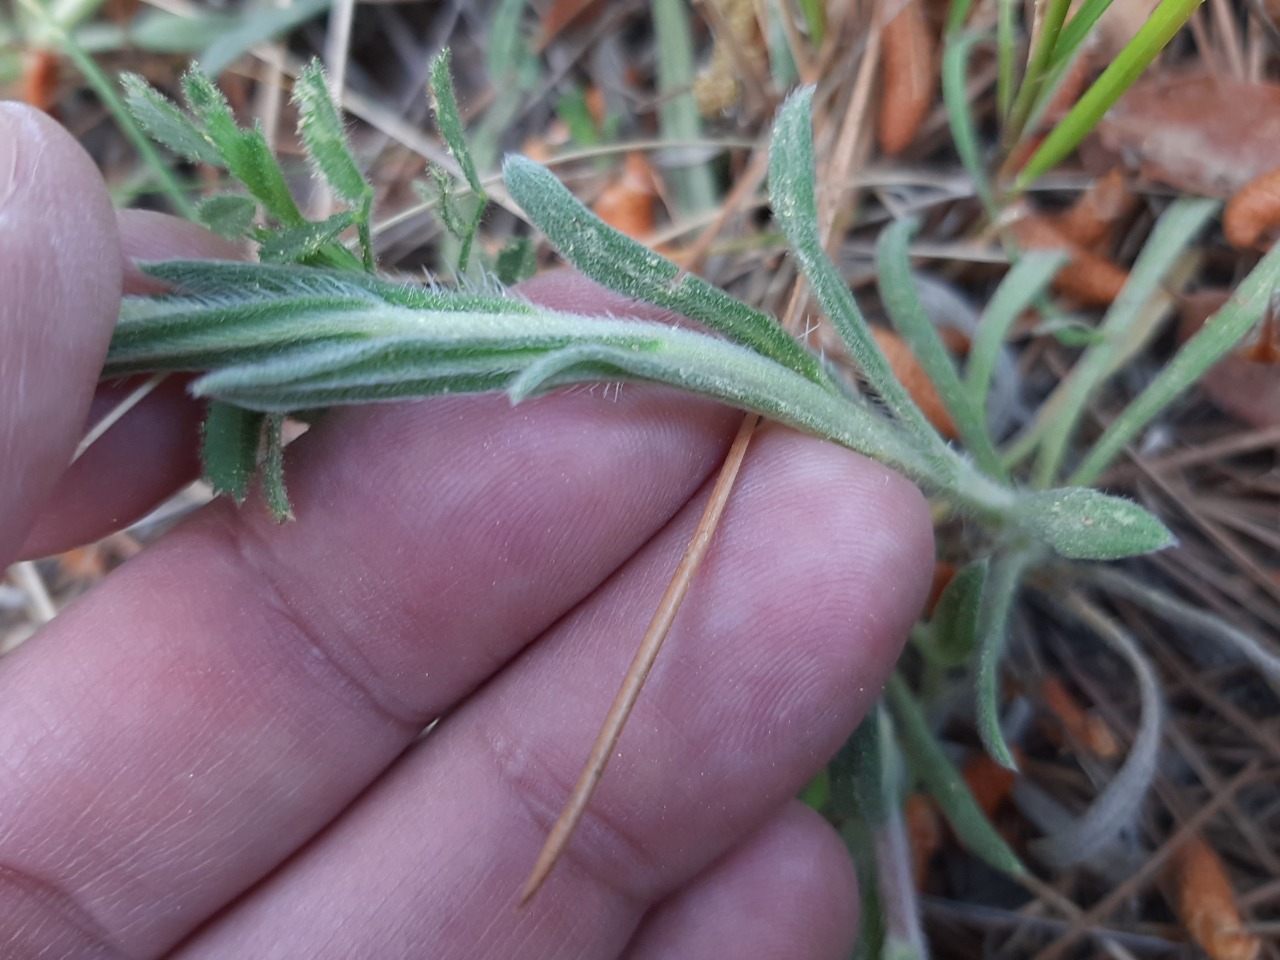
(11, 129)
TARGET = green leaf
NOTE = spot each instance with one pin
(445, 102)
(301, 243)
(245, 153)
(955, 97)
(1128, 326)
(626, 266)
(229, 450)
(1004, 578)
(165, 123)
(859, 786)
(791, 192)
(325, 140)
(1028, 279)
(517, 260)
(953, 627)
(1215, 339)
(678, 118)
(1084, 524)
(1165, 21)
(930, 762)
(898, 290)
(227, 215)
(273, 471)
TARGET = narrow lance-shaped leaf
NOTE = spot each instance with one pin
(1004, 577)
(954, 624)
(898, 289)
(1215, 339)
(1020, 287)
(445, 101)
(326, 141)
(931, 763)
(791, 192)
(620, 263)
(165, 123)
(229, 448)
(245, 153)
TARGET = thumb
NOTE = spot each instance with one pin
(60, 272)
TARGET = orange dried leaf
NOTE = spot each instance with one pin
(1090, 220)
(562, 14)
(627, 204)
(908, 75)
(1253, 213)
(1092, 280)
(924, 828)
(912, 376)
(1205, 903)
(990, 783)
(1084, 727)
(943, 573)
(83, 564)
(40, 78)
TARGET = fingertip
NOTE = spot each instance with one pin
(60, 257)
(788, 890)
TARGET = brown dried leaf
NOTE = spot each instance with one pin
(912, 376)
(908, 73)
(562, 14)
(1201, 134)
(1253, 213)
(924, 828)
(1091, 220)
(990, 783)
(627, 204)
(1091, 279)
(1205, 903)
(1085, 727)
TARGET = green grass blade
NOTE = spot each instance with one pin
(1006, 48)
(1038, 67)
(955, 97)
(930, 762)
(1125, 328)
(1215, 339)
(792, 194)
(678, 118)
(1077, 30)
(1155, 34)
(108, 93)
(898, 290)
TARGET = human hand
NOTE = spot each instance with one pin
(216, 752)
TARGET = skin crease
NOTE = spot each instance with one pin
(215, 752)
